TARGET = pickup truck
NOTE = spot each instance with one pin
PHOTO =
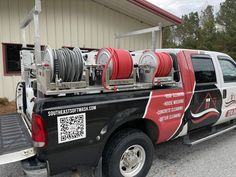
(116, 129)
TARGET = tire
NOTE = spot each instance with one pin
(129, 153)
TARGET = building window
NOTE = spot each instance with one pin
(204, 70)
(11, 58)
(228, 69)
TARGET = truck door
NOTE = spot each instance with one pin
(205, 107)
(227, 73)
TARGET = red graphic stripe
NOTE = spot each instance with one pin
(208, 115)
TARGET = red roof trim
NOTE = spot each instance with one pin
(156, 10)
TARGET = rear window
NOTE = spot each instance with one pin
(204, 70)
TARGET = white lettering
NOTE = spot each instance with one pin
(71, 111)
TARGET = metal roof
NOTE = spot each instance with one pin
(143, 11)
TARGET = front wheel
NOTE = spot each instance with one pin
(129, 153)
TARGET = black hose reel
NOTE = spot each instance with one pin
(66, 64)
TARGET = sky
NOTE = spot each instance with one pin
(181, 7)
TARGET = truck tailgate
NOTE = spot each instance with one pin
(15, 139)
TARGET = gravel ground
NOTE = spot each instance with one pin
(214, 158)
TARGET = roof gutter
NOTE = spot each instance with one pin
(156, 10)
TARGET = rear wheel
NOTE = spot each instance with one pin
(129, 153)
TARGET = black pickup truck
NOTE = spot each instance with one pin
(115, 126)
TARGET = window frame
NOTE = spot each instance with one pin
(206, 56)
(222, 57)
(5, 72)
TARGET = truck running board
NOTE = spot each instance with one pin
(215, 131)
(15, 139)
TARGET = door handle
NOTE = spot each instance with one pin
(224, 93)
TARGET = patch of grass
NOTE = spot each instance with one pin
(7, 107)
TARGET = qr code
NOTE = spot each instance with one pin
(71, 127)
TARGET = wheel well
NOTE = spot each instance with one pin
(145, 125)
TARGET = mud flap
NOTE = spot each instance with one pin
(15, 139)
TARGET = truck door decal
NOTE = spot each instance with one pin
(166, 108)
(207, 109)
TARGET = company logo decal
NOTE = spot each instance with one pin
(230, 101)
(206, 110)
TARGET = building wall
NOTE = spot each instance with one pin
(77, 23)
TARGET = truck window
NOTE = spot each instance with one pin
(228, 69)
(204, 69)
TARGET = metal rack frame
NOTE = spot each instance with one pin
(152, 30)
(44, 83)
(47, 86)
(125, 82)
(33, 16)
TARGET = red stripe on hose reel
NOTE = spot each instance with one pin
(161, 66)
(115, 63)
(165, 64)
(125, 64)
(122, 63)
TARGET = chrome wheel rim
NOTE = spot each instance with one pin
(132, 161)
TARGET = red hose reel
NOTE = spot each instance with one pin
(160, 64)
(119, 62)
(165, 64)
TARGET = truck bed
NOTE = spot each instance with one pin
(15, 139)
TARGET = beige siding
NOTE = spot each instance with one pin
(81, 23)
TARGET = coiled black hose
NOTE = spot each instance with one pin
(68, 64)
